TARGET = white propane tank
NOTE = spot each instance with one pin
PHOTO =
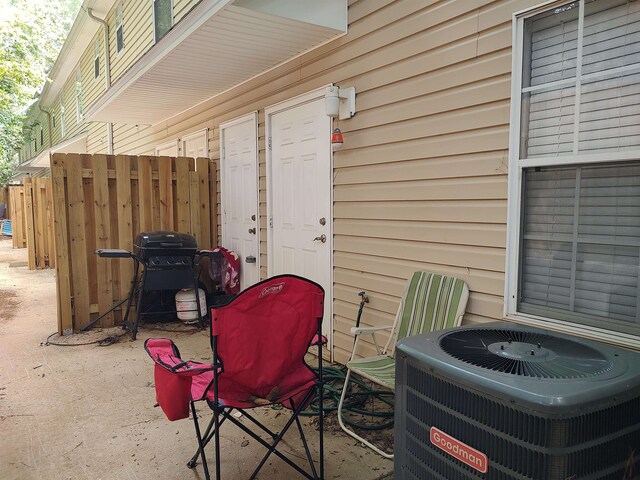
(186, 304)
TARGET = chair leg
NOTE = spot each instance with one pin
(306, 446)
(206, 438)
(351, 432)
(216, 434)
(272, 448)
(200, 442)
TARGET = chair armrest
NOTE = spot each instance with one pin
(361, 330)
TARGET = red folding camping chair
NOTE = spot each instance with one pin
(259, 341)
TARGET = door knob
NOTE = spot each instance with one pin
(322, 238)
(252, 230)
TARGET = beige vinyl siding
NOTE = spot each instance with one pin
(137, 19)
(56, 132)
(181, 8)
(71, 122)
(29, 149)
(92, 87)
(128, 139)
(421, 181)
(42, 132)
(97, 141)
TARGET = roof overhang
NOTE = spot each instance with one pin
(26, 167)
(77, 144)
(218, 45)
(80, 35)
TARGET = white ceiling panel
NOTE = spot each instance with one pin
(200, 59)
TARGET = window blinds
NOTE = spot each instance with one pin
(605, 78)
(581, 244)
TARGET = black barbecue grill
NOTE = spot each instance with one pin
(168, 259)
(168, 262)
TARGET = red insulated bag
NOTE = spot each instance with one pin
(174, 378)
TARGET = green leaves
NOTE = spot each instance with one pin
(30, 40)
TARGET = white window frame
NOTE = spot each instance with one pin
(119, 24)
(518, 165)
(192, 135)
(79, 99)
(153, 13)
(62, 119)
(96, 58)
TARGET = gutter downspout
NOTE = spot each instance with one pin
(107, 72)
(49, 132)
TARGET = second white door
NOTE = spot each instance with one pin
(300, 192)
(239, 188)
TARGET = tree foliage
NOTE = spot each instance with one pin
(31, 36)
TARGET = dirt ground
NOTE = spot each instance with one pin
(87, 411)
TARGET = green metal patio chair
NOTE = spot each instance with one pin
(430, 302)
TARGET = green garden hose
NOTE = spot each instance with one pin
(358, 396)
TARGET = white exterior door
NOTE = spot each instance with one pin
(169, 149)
(239, 188)
(195, 145)
(300, 193)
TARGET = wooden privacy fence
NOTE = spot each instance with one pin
(31, 213)
(104, 201)
(4, 200)
(16, 214)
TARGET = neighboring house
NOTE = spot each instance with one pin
(497, 141)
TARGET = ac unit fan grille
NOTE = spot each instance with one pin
(525, 353)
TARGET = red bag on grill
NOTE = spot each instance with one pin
(224, 269)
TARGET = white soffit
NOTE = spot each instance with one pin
(215, 47)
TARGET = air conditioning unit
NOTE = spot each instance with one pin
(501, 401)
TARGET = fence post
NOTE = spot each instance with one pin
(145, 195)
(77, 241)
(38, 195)
(103, 235)
(51, 234)
(165, 190)
(63, 270)
(125, 220)
(194, 211)
(213, 201)
(182, 195)
(202, 170)
(30, 222)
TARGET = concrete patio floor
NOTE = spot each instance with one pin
(87, 412)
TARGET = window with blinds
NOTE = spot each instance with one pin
(579, 161)
(96, 58)
(581, 80)
(581, 244)
(119, 28)
(79, 99)
(162, 17)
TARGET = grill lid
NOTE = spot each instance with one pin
(165, 242)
